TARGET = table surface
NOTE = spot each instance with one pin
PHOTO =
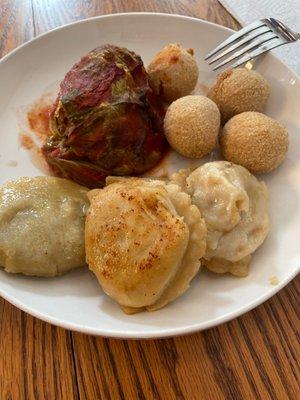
(253, 357)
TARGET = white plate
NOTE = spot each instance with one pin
(75, 301)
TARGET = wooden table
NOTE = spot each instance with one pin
(253, 357)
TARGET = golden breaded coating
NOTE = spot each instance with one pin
(191, 126)
(255, 141)
(144, 241)
(238, 90)
(173, 72)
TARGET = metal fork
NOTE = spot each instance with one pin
(252, 41)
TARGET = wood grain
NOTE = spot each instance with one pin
(253, 357)
(50, 14)
(15, 14)
(36, 358)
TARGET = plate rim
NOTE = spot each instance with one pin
(126, 14)
(155, 333)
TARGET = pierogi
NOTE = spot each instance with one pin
(234, 205)
(42, 226)
(144, 241)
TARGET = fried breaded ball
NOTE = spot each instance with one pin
(239, 90)
(191, 125)
(255, 141)
(173, 72)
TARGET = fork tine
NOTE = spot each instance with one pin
(257, 52)
(265, 38)
(252, 35)
(236, 36)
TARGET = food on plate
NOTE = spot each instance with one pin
(256, 141)
(42, 226)
(144, 241)
(234, 205)
(144, 238)
(238, 268)
(238, 90)
(191, 125)
(173, 72)
(106, 119)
